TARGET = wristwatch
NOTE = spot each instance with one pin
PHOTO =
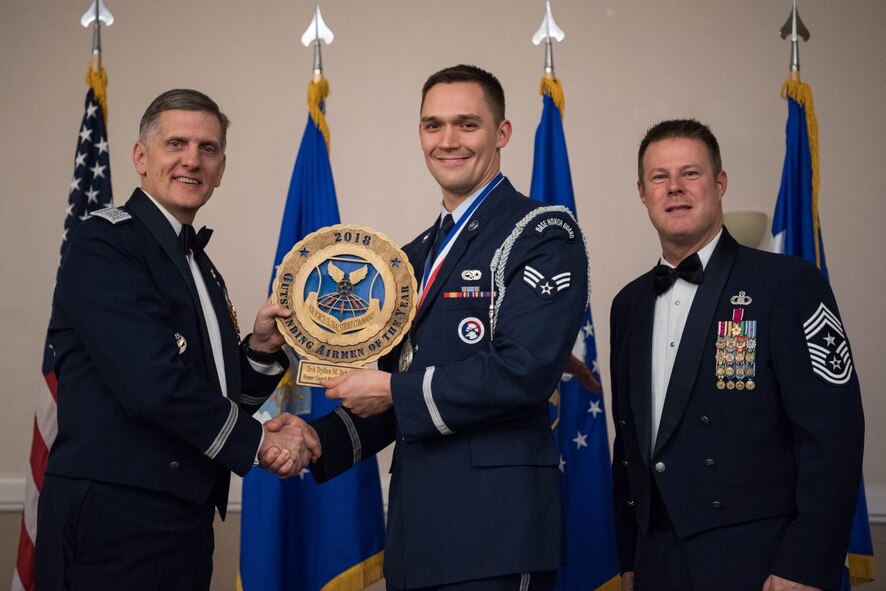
(258, 356)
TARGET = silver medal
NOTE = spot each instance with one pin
(406, 355)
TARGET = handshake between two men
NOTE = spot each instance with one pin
(289, 443)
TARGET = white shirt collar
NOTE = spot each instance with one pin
(176, 225)
(463, 207)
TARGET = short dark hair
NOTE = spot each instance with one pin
(681, 128)
(492, 89)
(182, 99)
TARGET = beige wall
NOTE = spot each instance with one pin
(624, 65)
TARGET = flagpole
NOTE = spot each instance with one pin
(293, 533)
(796, 213)
(578, 418)
(96, 77)
(318, 88)
(549, 32)
(794, 89)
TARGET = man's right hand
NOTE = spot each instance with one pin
(627, 581)
(289, 445)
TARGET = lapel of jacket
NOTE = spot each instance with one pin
(156, 223)
(640, 363)
(474, 227)
(693, 343)
(143, 209)
(218, 295)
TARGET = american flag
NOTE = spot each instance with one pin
(90, 189)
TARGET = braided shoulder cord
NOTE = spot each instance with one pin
(500, 260)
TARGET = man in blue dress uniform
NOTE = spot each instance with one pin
(474, 499)
(155, 388)
(738, 419)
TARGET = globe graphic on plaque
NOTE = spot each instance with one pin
(352, 296)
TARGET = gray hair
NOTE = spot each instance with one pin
(182, 99)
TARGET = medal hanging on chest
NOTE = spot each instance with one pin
(406, 354)
(735, 356)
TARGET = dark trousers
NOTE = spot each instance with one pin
(93, 535)
(731, 558)
(535, 581)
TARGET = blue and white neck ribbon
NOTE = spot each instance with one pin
(433, 267)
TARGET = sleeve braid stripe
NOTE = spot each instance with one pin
(253, 400)
(356, 444)
(225, 432)
(432, 406)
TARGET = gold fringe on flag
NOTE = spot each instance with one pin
(802, 93)
(550, 85)
(355, 578)
(861, 569)
(318, 90)
(98, 81)
(358, 576)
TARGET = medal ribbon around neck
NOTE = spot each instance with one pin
(431, 269)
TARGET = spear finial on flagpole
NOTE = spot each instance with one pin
(318, 87)
(317, 31)
(547, 32)
(796, 29)
(95, 15)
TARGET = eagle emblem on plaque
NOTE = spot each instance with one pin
(351, 291)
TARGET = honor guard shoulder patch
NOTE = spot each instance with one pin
(547, 223)
(546, 287)
(115, 215)
(828, 347)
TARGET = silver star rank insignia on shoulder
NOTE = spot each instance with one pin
(546, 287)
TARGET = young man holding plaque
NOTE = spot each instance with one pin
(474, 499)
(155, 387)
(738, 419)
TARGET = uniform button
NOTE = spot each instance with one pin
(174, 465)
(622, 423)
(625, 463)
(710, 462)
(677, 303)
(716, 504)
(659, 467)
(673, 344)
(705, 420)
(630, 503)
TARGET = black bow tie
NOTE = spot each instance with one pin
(664, 276)
(194, 241)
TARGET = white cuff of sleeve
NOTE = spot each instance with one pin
(268, 369)
(260, 442)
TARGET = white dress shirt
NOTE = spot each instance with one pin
(209, 316)
(671, 310)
